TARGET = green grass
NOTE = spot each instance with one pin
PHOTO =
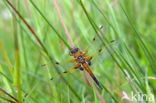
(42, 32)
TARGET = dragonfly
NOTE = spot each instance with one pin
(83, 62)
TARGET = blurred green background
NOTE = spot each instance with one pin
(124, 67)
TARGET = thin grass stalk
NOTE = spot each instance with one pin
(23, 44)
(63, 23)
(6, 93)
(17, 61)
(7, 100)
(131, 72)
(24, 50)
(142, 44)
(51, 26)
(6, 76)
(147, 53)
(133, 58)
(106, 19)
(6, 58)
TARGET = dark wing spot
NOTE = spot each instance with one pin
(57, 63)
(52, 78)
(112, 41)
(43, 65)
(65, 72)
(100, 50)
(94, 39)
(101, 27)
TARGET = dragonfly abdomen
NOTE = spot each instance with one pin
(97, 82)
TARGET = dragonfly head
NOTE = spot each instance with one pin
(74, 50)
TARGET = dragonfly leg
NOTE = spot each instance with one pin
(68, 61)
(68, 71)
(81, 68)
(100, 50)
(89, 63)
(85, 52)
(73, 68)
(88, 59)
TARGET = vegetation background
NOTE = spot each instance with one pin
(38, 32)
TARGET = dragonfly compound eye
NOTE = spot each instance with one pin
(74, 50)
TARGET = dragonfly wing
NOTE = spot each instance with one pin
(87, 68)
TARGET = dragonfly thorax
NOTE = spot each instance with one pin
(80, 59)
